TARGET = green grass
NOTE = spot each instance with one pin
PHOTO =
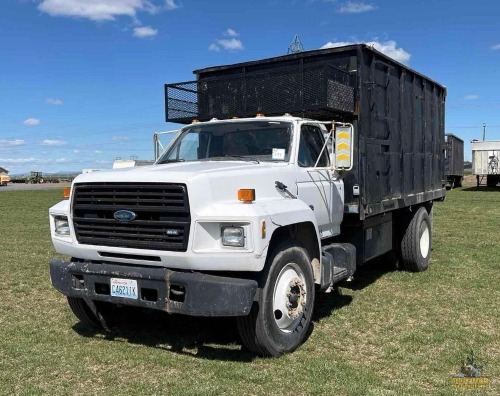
(386, 333)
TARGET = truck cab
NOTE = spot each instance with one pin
(220, 199)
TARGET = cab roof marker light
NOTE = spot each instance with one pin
(259, 115)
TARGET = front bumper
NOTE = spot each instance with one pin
(189, 293)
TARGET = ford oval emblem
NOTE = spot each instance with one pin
(124, 215)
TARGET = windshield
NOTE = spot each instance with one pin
(247, 141)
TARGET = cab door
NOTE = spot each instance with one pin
(317, 185)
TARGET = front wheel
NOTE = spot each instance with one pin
(279, 321)
(97, 315)
(416, 242)
(83, 312)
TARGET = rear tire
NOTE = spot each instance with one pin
(416, 243)
(458, 181)
(83, 312)
(278, 323)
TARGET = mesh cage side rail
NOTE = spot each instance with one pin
(312, 89)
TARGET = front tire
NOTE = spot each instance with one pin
(83, 312)
(416, 243)
(278, 323)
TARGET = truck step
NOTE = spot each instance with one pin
(338, 262)
(339, 273)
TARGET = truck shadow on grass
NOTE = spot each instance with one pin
(481, 189)
(207, 338)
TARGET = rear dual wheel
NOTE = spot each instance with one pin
(278, 323)
(416, 242)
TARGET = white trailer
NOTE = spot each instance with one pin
(486, 161)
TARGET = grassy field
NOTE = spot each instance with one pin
(386, 333)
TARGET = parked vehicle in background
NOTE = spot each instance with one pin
(247, 214)
(454, 160)
(4, 179)
(486, 161)
(130, 163)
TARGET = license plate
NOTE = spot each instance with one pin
(124, 288)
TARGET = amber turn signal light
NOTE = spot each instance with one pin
(246, 195)
(66, 192)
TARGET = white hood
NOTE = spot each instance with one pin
(214, 181)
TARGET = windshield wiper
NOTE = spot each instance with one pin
(240, 157)
(172, 160)
(244, 158)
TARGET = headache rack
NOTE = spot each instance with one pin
(313, 87)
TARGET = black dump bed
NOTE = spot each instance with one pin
(397, 113)
(453, 156)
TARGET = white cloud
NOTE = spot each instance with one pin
(9, 143)
(471, 97)
(495, 47)
(64, 160)
(214, 47)
(231, 33)
(31, 122)
(102, 10)
(145, 31)
(352, 7)
(228, 44)
(35, 161)
(388, 48)
(55, 102)
(96, 10)
(76, 151)
(16, 160)
(98, 151)
(171, 5)
(102, 162)
(52, 142)
(117, 138)
(232, 44)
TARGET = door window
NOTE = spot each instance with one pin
(311, 143)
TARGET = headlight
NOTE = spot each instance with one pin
(61, 225)
(233, 236)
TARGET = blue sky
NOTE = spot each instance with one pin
(81, 81)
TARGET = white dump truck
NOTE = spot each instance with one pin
(250, 211)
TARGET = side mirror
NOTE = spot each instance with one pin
(344, 139)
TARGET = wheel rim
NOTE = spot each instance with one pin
(424, 239)
(289, 298)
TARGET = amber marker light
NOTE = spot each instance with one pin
(246, 195)
(263, 230)
(259, 115)
(66, 192)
